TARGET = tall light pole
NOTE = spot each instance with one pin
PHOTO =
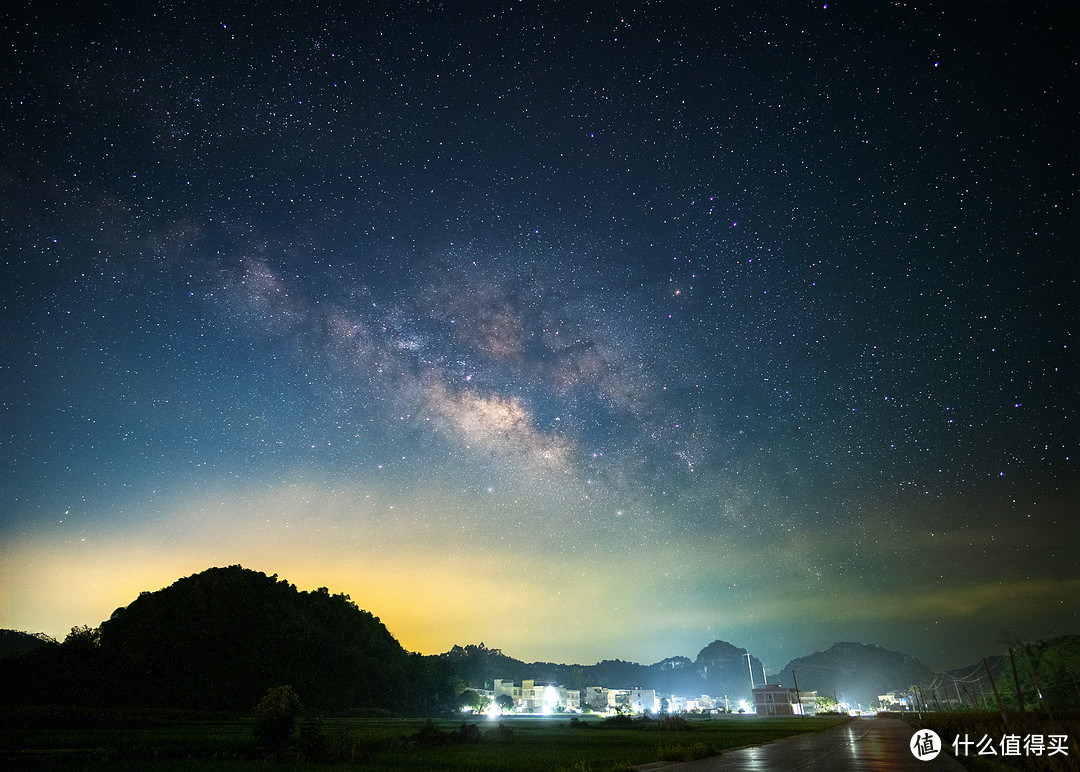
(751, 669)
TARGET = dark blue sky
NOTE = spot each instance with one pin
(585, 331)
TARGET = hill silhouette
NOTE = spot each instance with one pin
(218, 640)
(857, 672)
(13, 642)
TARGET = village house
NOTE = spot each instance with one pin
(531, 696)
(894, 701)
(644, 701)
(809, 703)
(702, 704)
(776, 700)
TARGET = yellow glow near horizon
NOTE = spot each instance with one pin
(435, 579)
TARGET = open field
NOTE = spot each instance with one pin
(511, 743)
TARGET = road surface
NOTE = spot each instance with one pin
(860, 745)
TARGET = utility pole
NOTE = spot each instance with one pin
(1016, 681)
(751, 669)
(996, 695)
(798, 696)
(1035, 678)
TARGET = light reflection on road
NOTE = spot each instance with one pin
(861, 745)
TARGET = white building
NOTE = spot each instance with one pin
(644, 701)
(533, 697)
(704, 704)
(894, 701)
(776, 700)
(599, 699)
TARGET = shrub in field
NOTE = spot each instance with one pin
(499, 731)
(275, 716)
(313, 742)
(468, 733)
(673, 724)
(428, 735)
(359, 749)
(431, 735)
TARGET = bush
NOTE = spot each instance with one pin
(358, 749)
(499, 730)
(430, 735)
(313, 743)
(275, 716)
(673, 724)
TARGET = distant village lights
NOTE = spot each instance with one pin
(529, 697)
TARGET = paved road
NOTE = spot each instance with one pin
(860, 745)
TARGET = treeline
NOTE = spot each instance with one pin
(479, 666)
(218, 640)
(1047, 672)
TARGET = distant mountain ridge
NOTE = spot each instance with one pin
(218, 639)
(856, 672)
(719, 670)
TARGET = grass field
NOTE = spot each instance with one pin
(517, 743)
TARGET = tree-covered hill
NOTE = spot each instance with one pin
(1054, 662)
(725, 670)
(219, 639)
(857, 672)
(13, 642)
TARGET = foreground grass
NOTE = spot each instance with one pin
(517, 743)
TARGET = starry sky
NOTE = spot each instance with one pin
(585, 330)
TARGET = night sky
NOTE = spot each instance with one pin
(584, 330)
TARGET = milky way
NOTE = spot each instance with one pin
(584, 332)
